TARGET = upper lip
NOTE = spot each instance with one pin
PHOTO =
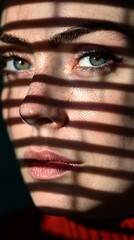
(47, 156)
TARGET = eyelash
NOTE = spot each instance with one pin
(85, 52)
(112, 61)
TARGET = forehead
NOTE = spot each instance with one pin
(47, 15)
(15, 10)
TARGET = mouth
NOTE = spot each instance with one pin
(47, 165)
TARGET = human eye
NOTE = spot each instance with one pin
(95, 61)
(14, 63)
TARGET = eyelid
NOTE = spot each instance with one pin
(93, 50)
(102, 52)
(13, 55)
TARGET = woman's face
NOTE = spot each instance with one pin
(68, 101)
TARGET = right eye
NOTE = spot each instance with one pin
(16, 64)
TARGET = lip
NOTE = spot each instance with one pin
(48, 165)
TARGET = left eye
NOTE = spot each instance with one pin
(17, 64)
(92, 61)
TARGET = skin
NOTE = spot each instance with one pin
(105, 180)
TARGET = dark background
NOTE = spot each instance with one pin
(14, 195)
(13, 192)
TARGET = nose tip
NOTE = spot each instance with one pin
(40, 114)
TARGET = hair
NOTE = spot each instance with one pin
(1, 6)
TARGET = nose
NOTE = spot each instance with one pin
(38, 109)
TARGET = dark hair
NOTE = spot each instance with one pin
(1, 6)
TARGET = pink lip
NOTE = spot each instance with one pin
(48, 165)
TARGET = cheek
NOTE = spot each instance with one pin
(106, 116)
(11, 99)
(4, 97)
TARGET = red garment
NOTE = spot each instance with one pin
(32, 225)
(63, 228)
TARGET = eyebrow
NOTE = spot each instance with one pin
(70, 34)
(12, 39)
(76, 32)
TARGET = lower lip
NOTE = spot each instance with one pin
(50, 170)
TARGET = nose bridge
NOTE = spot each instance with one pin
(38, 87)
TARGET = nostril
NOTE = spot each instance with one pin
(40, 115)
(43, 120)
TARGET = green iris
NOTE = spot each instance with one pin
(21, 64)
(97, 61)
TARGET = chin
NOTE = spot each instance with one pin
(63, 205)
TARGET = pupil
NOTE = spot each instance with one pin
(96, 61)
(96, 58)
(21, 62)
